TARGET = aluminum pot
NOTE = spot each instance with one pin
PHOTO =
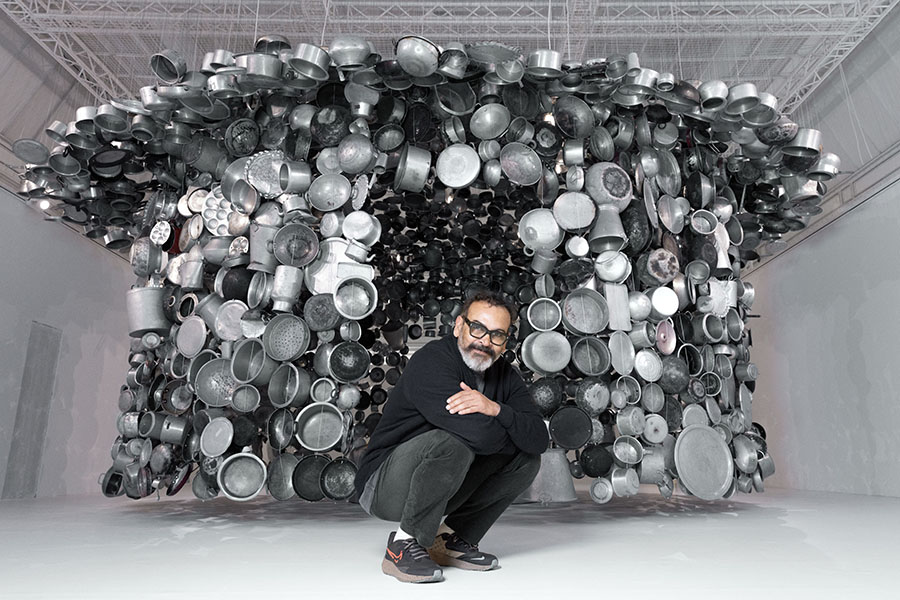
(289, 386)
(413, 169)
(319, 427)
(241, 476)
(145, 311)
(251, 364)
(585, 312)
(546, 352)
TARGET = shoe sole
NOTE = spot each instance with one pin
(389, 568)
(448, 561)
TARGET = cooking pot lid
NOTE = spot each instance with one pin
(216, 437)
(622, 352)
(574, 211)
(570, 427)
(703, 461)
(307, 475)
(458, 165)
(191, 336)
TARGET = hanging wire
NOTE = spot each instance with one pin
(327, 6)
(854, 119)
(549, 6)
(256, 25)
(568, 35)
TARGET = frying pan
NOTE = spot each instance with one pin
(570, 427)
(336, 479)
(307, 477)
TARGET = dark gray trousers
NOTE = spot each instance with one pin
(435, 474)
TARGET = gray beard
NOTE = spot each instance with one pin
(477, 363)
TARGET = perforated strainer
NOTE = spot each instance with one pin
(286, 337)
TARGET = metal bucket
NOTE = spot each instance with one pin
(553, 482)
(607, 233)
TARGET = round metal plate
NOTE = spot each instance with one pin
(703, 461)
(31, 151)
(622, 352)
(458, 166)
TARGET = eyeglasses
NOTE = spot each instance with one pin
(478, 331)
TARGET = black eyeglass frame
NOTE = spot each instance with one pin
(487, 332)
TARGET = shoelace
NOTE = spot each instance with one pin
(455, 539)
(415, 549)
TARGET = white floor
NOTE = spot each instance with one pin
(781, 544)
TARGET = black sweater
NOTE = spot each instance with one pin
(418, 404)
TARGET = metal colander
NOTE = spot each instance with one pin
(215, 383)
(286, 337)
(295, 245)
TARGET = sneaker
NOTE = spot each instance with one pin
(450, 550)
(408, 561)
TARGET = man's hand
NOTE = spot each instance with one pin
(471, 401)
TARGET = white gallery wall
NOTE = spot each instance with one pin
(52, 275)
(826, 346)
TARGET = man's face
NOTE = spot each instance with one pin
(479, 354)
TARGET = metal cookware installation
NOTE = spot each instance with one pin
(297, 217)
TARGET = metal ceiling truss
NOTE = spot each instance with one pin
(787, 48)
